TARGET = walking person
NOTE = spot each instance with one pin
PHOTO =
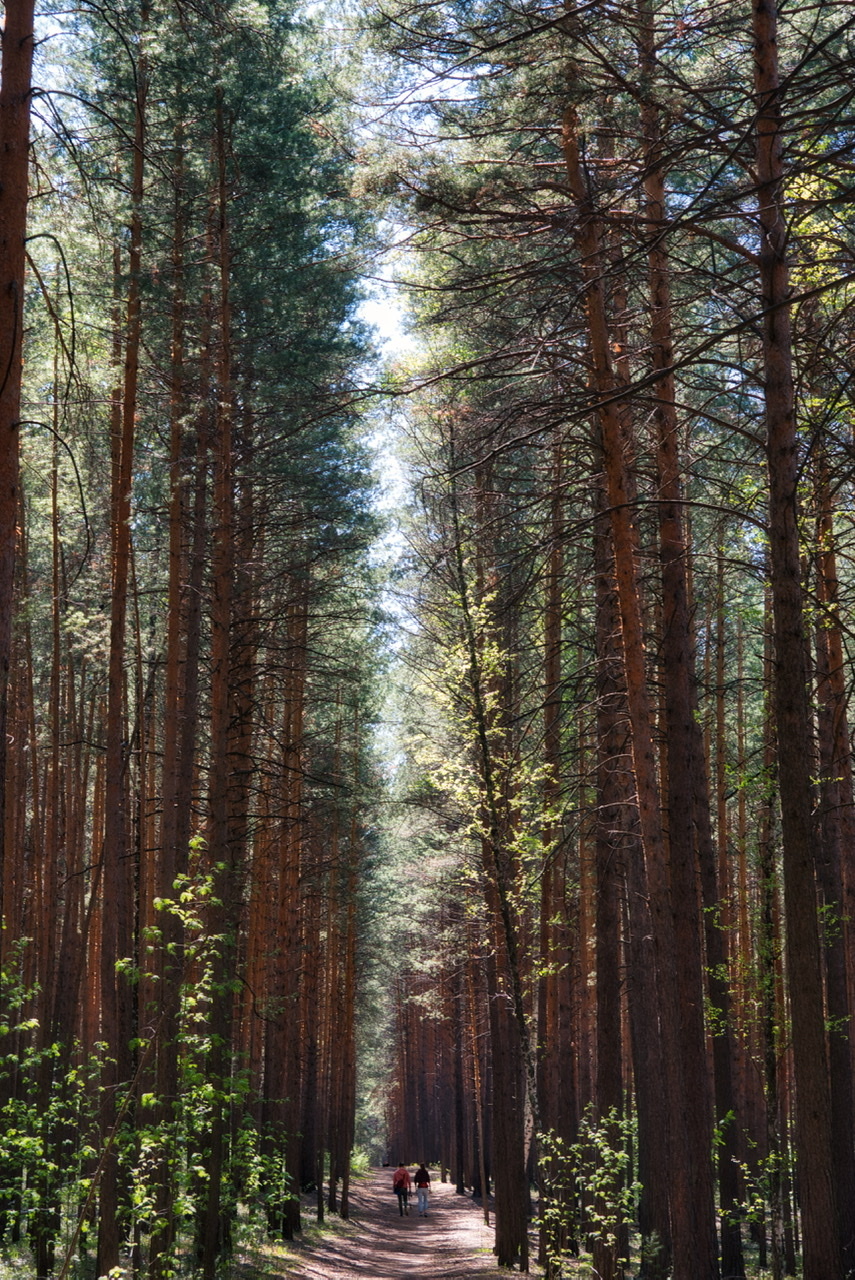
(421, 1178)
(401, 1186)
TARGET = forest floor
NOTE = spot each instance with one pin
(452, 1242)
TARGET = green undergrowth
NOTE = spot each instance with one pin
(582, 1267)
(256, 1256)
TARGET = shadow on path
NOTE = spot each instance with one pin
(451, 1242)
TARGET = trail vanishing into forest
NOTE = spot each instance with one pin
(451, 1243)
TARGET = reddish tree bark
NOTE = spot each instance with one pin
(836, 837)
(15, 88)
(180, 717)
(821, 1242)
(689, 1210)
(684, 798)
(611, 838)
(282, 1050)
(618, 815)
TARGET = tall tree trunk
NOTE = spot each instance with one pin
(611, 852)
(176, 808)
(509, 1019)
(282, 1050)
(332, 1056)
(768, 970)
(348, 1028)
(310, 1018)
(713, 896)
(552, 1061)
(215, 1224)
(115, 1010)
(458, 1048)
(836, 838)
(678, 674)
(617, 811)
(821, 1240)
(472, 1006)
(509, 1174)
(688, 1214)
(15, 87)
(291, 931)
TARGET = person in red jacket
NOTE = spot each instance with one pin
(421, 1178)
(401, 1187)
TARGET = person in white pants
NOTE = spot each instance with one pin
(421, 1178)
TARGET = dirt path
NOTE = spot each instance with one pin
(450, 1243)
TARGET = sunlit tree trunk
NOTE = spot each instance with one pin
(513, 1060)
